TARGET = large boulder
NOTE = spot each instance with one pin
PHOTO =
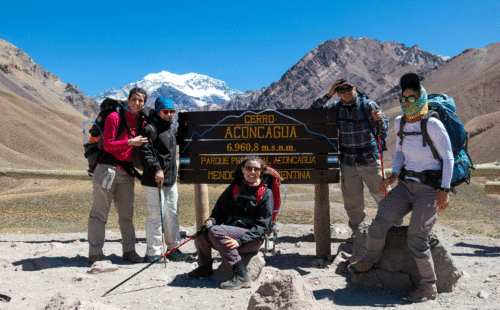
(396, 268)
(285, 289)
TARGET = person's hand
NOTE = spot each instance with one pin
(159, 178)
(377, 115)
(137, 141)
(231, 243)
(442, 201)
(388, 181)
(333, 90)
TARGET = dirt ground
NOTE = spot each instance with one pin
(60, 265)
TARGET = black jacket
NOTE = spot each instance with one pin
(160, 154)
(244, 212)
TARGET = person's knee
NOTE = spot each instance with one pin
(378, 228)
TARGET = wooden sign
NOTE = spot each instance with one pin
(301, 144)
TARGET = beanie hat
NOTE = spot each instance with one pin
(163, 103)
(410, 80)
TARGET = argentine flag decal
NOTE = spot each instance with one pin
(333, 159)
(185, 160)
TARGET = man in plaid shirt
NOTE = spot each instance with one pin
(357, 118)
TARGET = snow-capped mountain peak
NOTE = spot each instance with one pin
(188, 91)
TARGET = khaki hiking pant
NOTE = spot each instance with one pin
(419, 199)
(352, 186)
(111, 184)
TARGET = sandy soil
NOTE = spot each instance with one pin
(60, 266)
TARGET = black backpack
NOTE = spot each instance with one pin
(93, 149)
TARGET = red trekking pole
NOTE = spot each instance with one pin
(153, 262)
(381, 153)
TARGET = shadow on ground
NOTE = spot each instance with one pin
(361, 296)
(479, 250)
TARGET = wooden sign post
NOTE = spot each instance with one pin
(302, 145)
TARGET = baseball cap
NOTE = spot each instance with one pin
(410, 80)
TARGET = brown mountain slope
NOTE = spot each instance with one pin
(35, 136)
(472, 79)
(20, 75)
(41, 119)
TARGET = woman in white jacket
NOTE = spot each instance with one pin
(423, 188)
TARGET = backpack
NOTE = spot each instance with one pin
(363, 107)
(442, 107)
(93, 148)
(274, 184)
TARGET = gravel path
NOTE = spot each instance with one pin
(59, 265)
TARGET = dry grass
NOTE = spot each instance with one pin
(52, 206)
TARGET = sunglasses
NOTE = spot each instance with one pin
(250, 169)
(409, 99)
(167, 111)
(345, 90)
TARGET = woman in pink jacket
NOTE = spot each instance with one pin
(113, 179)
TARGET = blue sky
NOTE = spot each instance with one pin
(248, 44)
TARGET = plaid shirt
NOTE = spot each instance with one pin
(358, 145)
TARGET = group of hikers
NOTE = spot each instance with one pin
(238, 223)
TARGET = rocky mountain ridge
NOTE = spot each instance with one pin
(374, 66)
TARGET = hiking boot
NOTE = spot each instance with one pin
(177, 256)
(133, 257)
(240, 278)
(359, 267)
(96, 258)
(201, 272)
(420, 295)
(154, 258)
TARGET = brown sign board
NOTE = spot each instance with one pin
(301, 144)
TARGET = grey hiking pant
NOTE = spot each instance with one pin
(111, 184)
(352, 189)
(420, 200)
(215, 238)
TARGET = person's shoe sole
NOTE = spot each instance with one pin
(245, 285)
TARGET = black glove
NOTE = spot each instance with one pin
(206, 227)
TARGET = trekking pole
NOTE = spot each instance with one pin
(162, 226)
(380, 152)
(150, 264)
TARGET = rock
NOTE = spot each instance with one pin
(286, 290)
(254, 262)
(61, 302)
(82, 277)
(340, 262)
(102, 266)
(465, 274)
(483, 294)
(397, 269)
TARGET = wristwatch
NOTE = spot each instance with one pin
(446, 190)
